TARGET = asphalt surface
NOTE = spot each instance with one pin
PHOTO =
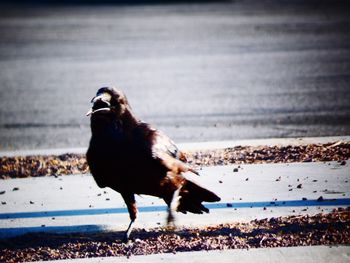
(199, 71)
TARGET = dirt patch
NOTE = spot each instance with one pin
(54, 165)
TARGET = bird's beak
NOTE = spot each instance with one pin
(105, 98)
(89, 112)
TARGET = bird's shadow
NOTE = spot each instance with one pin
(247, 232)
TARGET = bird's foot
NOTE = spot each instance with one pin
(126, 239)
(127, 232)
(170, 226)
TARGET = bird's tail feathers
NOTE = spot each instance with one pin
(192, 196)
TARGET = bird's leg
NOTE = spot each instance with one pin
(131, 204)
(128, 231)
(173, 207)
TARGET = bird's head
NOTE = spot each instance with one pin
(109, 101)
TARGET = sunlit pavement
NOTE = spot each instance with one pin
(319, 254)
(74, 203)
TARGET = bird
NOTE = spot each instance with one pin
(133, 158)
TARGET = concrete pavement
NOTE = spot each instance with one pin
(75, 203)
(314, 254)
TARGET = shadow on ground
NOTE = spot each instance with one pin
(320, 229)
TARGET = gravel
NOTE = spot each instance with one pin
(54, 165)
(321, 229)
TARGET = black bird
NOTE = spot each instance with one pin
(131, 157)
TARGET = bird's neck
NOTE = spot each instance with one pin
(129, 121)
(103, 124)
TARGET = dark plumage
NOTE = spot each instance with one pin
(131, 157)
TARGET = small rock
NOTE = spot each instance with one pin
(304, 199)
(2, 192)
(229, 205)
(235, 170)
(343, 163)
(307, 160)
(299, 186)
(220, 182)
(320, 199)
(31, 202)
(247, 179)
(15, 189)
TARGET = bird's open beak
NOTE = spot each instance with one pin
(105, 98)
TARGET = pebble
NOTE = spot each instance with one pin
(320, 199)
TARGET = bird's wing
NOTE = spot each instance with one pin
(165, 150)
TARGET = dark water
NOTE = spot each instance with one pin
(198, 71)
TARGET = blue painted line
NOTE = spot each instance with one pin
(288, 203)
(146, 209)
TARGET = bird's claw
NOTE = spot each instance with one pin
(170, 226)
(126, 239)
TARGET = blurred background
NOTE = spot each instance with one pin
(198, 70)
